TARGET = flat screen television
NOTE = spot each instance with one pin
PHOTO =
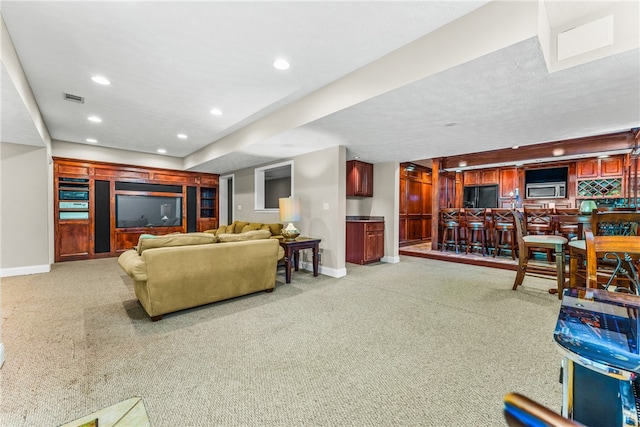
(148, 211)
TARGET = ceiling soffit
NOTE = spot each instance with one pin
(557, 150)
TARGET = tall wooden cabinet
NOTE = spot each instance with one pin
(359, 179)
(91, 199)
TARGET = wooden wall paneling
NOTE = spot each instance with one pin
(414, 193)
(403, 196)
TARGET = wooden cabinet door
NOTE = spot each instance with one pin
(611, 166)
(489, 176)
(367, 179)
(587, 168)
(359, 179)
(508, 181)
(73, 240)
(471, 178)
(374, 246)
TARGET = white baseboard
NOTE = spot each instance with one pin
(1, 354)
(326, 271)
(391, 259)
(21, 271)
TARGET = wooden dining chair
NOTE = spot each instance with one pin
(613, 259)
(539, 221)
(568, 229)
(527, 242)
(520, 411)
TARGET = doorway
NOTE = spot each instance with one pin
(226, 199)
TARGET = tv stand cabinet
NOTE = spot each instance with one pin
(85, 212)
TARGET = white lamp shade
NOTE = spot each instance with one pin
(289, 209)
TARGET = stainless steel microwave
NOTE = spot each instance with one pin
(546, 190)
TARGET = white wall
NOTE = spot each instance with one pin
(25, 207)
(319, 182)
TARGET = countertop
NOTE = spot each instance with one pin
(365, 219)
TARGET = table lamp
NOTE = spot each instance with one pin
(289, 212)
(587, 206)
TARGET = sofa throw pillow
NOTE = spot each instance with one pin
(251, 226)
(249, 235)
(178, 239)
(238, 226)
(224, 229)
(275, 229)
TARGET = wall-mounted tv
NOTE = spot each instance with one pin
(148, 211)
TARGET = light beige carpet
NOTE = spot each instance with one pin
(421, 342)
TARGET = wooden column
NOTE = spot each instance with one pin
(435, 202)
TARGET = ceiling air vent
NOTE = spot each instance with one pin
(74, 98)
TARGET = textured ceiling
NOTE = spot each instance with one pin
(171, 62)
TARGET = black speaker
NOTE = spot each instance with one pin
(192, 205)
(102, 210)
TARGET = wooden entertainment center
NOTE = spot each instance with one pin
(90, 197)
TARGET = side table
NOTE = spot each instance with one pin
(292, 250)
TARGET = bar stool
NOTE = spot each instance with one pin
(450, 226)
(526, 242)
(475, 225)
(504, 231)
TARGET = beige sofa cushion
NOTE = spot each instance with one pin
(248, 235)
(181, 239)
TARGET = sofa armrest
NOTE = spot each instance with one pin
(133, 265)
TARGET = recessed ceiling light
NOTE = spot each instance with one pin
(95, 119)
(281, 64)
(515, 147)
(462, 164)
(182, 136)
(91, 140)
(558, 152)
(101, 80)
(216, 112)
(162, 150)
